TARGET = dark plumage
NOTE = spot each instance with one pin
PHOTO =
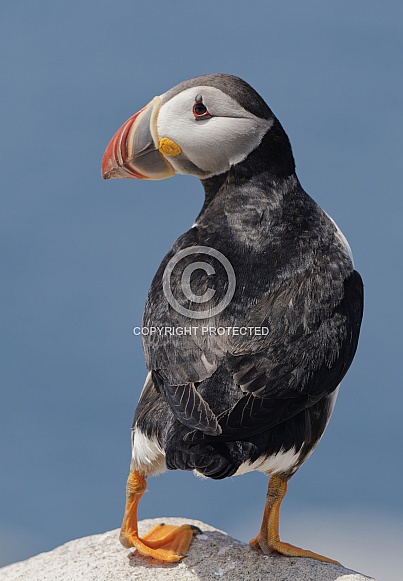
(291, 278)
(219, 403)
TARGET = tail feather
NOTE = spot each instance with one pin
(214, 460)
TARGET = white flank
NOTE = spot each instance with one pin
(275, 464)
(340, 236)
(148, 380)
(147, 455)
(331, 402)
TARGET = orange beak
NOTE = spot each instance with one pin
(133, 151)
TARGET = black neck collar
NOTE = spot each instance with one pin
(271, 162)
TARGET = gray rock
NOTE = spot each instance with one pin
(213, 555)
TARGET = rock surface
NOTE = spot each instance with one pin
(212, 555)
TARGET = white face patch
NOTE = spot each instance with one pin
(213, 145)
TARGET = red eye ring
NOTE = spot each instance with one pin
(200, 111)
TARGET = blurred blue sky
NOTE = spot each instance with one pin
(78, 254)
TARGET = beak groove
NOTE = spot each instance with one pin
(133, 150)
(115, 160)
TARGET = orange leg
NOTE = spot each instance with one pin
(268, 539)
(164, 542)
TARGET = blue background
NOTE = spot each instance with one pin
(78, 255)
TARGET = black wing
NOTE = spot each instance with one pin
(291, 376)
(188, 406)
(312, 304)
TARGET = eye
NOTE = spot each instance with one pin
(200, 110)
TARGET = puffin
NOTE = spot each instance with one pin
(253, 317)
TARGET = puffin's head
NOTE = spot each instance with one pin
(202, 127)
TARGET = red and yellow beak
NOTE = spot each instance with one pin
(135, 151)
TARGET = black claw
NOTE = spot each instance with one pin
(181, 555)
(195, 529)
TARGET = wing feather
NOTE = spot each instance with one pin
(188, 406)
(302, 380)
